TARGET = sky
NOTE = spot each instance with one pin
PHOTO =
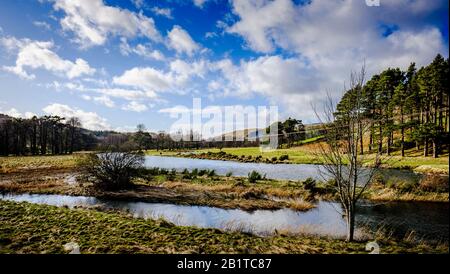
(115, 64)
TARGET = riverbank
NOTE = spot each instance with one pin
(30, 228)
(307, 154)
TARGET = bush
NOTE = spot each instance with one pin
(434, 183)
(229, 174)
(211, 173)
(113, 170)
(171, 175)
(284, 157)
(274, 159)
(202, 172)
(254, 176)
(309, 184)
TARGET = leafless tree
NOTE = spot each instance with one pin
(352, 171)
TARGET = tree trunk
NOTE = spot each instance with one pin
(435, 148)
(350, 224)
(403, 133)
(425, 148)
(380, 141)
(388, 148)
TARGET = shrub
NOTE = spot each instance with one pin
(113, 170)
(309, 184)
(202, 172)
(211, 173)
(274, 159)
(254, 176)
(194, 172)
(434, 183)
(229, 174)
(284, 157)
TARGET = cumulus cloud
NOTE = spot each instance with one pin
(42, 24)
(135, 106)
(92, 22)
(156, 81)
(141, 50)
(146, 78)
(180, 40)
(199, 3)
(104, 100)
(13, 112)
(39, 55)
(163, 12)
(331, 38)
(89, 120)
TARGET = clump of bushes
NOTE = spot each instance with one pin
(284, 157)
(254, 176)
(113, 170)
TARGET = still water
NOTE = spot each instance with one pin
(429, 220)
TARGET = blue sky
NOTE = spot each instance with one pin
(119, 63)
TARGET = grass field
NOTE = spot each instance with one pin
(29, 228)
(16, 163)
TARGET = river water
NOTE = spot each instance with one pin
(429, 220)
(272, 171)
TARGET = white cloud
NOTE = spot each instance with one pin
(333, 38)
(175, 110)
(163, 12)
(104, 100)
(147, 78)
(38, 55)
(13, 112)
(127, 94)
(199, 3)
(135, 106)
(89, 120)
(155, 81)
(181, 41)
(138, 3)
(42, 24)
(92, 22)
(141, 50)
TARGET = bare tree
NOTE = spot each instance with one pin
(113, 170)
(341, 150)
(73, 123)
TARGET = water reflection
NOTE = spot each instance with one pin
(272, 171)
(429, 220)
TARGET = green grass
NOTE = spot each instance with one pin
(29, 228)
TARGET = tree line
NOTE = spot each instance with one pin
(404, 109)
(43, 135)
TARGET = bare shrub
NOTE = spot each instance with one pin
(113, 170)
